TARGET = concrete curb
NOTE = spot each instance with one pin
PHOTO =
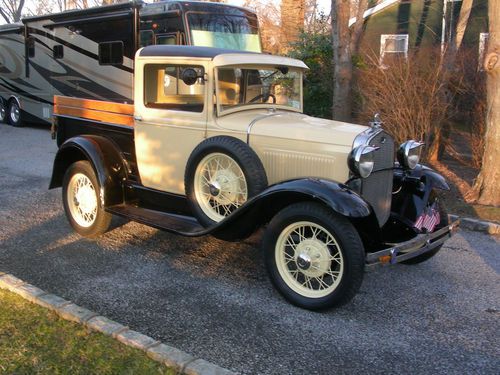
(476, 225)
(167, 355)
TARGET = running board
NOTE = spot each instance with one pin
(184, 225)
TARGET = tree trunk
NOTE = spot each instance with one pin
(342, 64)
(292, 21)
(357, 28)
(486, 189)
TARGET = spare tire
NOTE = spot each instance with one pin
(222, 173)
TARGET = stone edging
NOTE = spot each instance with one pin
(174, 358)
(476, 225)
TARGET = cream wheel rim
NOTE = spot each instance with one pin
(220, 186)
(309, 259)
(82, 200)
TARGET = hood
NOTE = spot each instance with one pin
(292, 126)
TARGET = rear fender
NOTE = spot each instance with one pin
(105, 158)
(260, 209)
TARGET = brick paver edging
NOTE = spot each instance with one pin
(476, 225)
(172, 357)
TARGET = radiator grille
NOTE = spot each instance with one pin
(377, 188)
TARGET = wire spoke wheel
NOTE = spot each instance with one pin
(220, 186)
(309, 259)
(82, 200)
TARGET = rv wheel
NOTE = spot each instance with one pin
(222, 173)
(15, 114)
(3, 112)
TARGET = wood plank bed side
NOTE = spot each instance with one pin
(97, 105)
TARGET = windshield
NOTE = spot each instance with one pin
(278, 86)
(224, 31)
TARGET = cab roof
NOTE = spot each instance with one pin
(220, 56)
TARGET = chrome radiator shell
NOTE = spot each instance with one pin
(376, 189)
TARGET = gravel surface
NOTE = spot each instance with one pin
(213, 299)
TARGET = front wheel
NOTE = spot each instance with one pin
(81, 201)
(315, 257)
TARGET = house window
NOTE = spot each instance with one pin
(165, 89)
(111, 53)
(58, 51)
(393, 46)
(483, 48)
(147, 38)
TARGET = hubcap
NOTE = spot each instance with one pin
(309, 259)
(82, 200)
(220, 186)
(14, 113)
(2, 113)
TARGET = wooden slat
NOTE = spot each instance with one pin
(97, 105)
(114, 118)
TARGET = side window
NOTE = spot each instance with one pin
(111, 53)
(147, 38)
(393, 46)
(170, 39)
(164, 88)
(30, 45)
(58, 51)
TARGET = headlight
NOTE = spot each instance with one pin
(409, 154)
(360, 160)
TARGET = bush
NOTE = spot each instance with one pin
(409, 95)
(315, 49)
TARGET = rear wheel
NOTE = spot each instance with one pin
(81, 201)
(3, 112)
(315, 257)
(15, 114)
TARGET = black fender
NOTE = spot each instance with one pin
(106, 159)
(259, 210)
(414, 189)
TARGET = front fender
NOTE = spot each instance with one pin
(105, 158)
(260, 209)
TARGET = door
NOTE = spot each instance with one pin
(171, 120)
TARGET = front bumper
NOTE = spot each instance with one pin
(421, 244)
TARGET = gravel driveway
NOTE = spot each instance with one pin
(213, 299)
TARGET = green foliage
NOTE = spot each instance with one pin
(315, 49)
(35, 341)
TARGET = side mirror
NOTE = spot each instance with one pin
(189, 76)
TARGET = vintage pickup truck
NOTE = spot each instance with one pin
(217, 143)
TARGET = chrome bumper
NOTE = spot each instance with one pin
(421, 244)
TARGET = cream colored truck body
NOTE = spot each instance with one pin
(289, 143)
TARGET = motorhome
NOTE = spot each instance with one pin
(90, 53)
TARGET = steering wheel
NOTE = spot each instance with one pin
(265, 98)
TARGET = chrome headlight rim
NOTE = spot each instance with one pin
(361, 162)
(409, 154)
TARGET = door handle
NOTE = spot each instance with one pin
(137, 118)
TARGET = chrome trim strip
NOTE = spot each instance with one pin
(255, 120)
(421, 244)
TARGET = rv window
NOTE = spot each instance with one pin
(111, 53)
(170, 39)
(30, 44)
(147, 38)
(165, 89)
(58, 51)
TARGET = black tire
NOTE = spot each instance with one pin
(246, 159)
(349, 244)
(14, 120)
(101, 218)
(443, 222)
(3, 112)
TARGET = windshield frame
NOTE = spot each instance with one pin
(248, 106)
(189, 29)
